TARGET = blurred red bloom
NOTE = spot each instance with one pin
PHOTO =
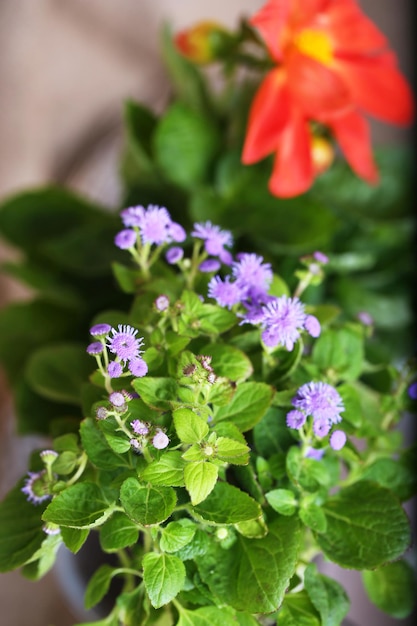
(195, 42)
(333, 65)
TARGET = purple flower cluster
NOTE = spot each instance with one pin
(121, 342)
(145, 433)
(152, 225)
(323, 403)
(215, 239)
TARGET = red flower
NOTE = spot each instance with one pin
(333, 64)
(195, 42)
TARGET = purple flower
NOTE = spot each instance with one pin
(295, 419)
(160, 440)
(365, 318)
(320, 400)
(117, 399)
(314, 453)
(102, 412)
(124, 343)
(139, 428)
(224, 292)
(125, 239)
(250, 271)
(138, 367)
(209, 265)
(177, 232)
(173, 255)
(48, 456)
(35, 487)
(51, 529)
(132, 216)
(321, 427)
(161, 303)
(283, 320)
(312, 326)
(95, 348)
(214, 238)
(100, 330)
(412, 391)
(114, 369)
(321, 257)
(337, 439)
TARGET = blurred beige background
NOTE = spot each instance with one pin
(65, 68)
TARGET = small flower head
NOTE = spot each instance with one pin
(133, 216)
(51, 529)
(48, 456)
(138, 367)
(100, 330)
(161, 303)
(124, 343)
(314, 453)
(321, 427)
(117, 399)
(412, 391)
(320, 257)
(320, 400)
(295, 419)
(95, 348)
(177, 232)
(139, 427)
(312, 326)
(125, 239)
(114, 369)
(251, 271)
(214, 238)
(209, 265)
(337, 439)
(36, 488)
(283, 319)
(101, 412)
(225, 292)
(160, 440)
(365, 318)
(174, 255)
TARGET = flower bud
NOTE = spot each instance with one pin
(198, 43)
(322, 154)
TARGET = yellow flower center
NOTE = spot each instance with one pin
(315, 44)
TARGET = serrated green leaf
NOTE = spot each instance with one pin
(298, 610)
(228, 361)
(118, 532)
(145, 504)
(175, 536)
(228, 505)
(327, 595)
(247, 406)
(97, 448)
(313, 517)
(164, 577)
(232, 451)
(200, 478)
(190, 427)
(158, 393)
(366, 527)
(79, 506)
(74, 538)
(392, 588)
(167, 471)
(282, 500)
(212, 616)
(340, 350)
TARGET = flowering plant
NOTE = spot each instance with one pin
(228, 423)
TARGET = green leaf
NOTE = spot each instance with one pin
(145, 504)
(253, 574)
(200, 478)
(298, 610)
(366, 527)
(164, 577)
(340, 350)
(74, 538)
(167, 471)
(228, 361)
(395, 475)
(57, 372)
(228, 505)
(313, 517)
(44, 559)
(190, 427)
(327, 595)
(247, 406)
(98, 585)
(158, 393)
(392, 588)
(271, 434)
(21, 533)
(282, 500)
(215, 320)
(79, 506)
(176, 535)
(212, 616)
(97, 448)
(118, 532)
(232, 451)
(65, 463)
(139, 124)
(185, 144)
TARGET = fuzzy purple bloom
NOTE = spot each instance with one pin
(283, 320)
(295, 419)
(161, 303)
(160, 440)
(124, 343)
(95, 348)
(173, 255)
(132, 216)
(117, 399)
(101, 413)
(138, 367)
(125, 239)
(214, 238)
(100, 330)
(225, 293)
(155, 225)
(210, 265)
(321, 427)
(139, 428)
(320, 400)
(35, 488)
(251, 272)
(114, 369)
(337, 439)
(312, 326)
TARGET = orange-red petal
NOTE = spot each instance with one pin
(269, 114)
(351, 30)
(352, 133)
(378, 87)
(292, 172)
(270, 20)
